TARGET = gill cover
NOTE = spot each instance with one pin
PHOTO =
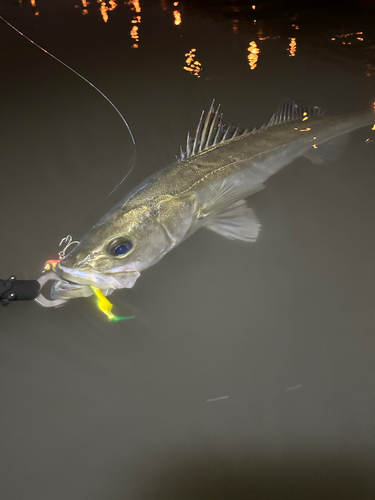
(176, 215)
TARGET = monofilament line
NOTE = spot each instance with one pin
(91, 84)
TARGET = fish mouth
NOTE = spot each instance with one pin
(103, 280)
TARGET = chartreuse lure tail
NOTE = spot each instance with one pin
(106, 307)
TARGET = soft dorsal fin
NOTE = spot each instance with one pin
(289, 110)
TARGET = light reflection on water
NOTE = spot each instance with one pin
(96, 410)
(191, 64)
(104, 7)
(253, 55)
(292, 47)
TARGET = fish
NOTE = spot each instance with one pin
(208, 186)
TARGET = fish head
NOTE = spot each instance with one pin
(123, 243)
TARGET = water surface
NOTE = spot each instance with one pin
(249, 369)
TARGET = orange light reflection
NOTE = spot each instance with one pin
(292, 47)
(193, 66)
(103, 11)
(344, 35)
(104, 8)
(253, 55)
(135, 36)
(177, 17)
(134, 5)
(134, 32)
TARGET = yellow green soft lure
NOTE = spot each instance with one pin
(105, 305)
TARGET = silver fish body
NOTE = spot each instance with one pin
(206, 187)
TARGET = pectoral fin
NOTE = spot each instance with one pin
(237, 222)
(226, 193)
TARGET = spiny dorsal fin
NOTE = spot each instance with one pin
(289, 110)
(198, 134)
(210, 132)
(206, 127)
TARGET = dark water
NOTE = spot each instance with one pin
(281, 330)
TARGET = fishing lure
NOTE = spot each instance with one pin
(106, 306)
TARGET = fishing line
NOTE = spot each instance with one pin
(132, 160)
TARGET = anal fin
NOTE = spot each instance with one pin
(328, 151)
(236, 222)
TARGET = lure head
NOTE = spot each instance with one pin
(126, 241)
(50, 265)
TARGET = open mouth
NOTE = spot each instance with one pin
(104, 280)
(80, 277)
(65, 290)
(75, 283)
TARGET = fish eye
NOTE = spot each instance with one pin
(121, 247)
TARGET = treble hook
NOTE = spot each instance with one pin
(69, 241)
